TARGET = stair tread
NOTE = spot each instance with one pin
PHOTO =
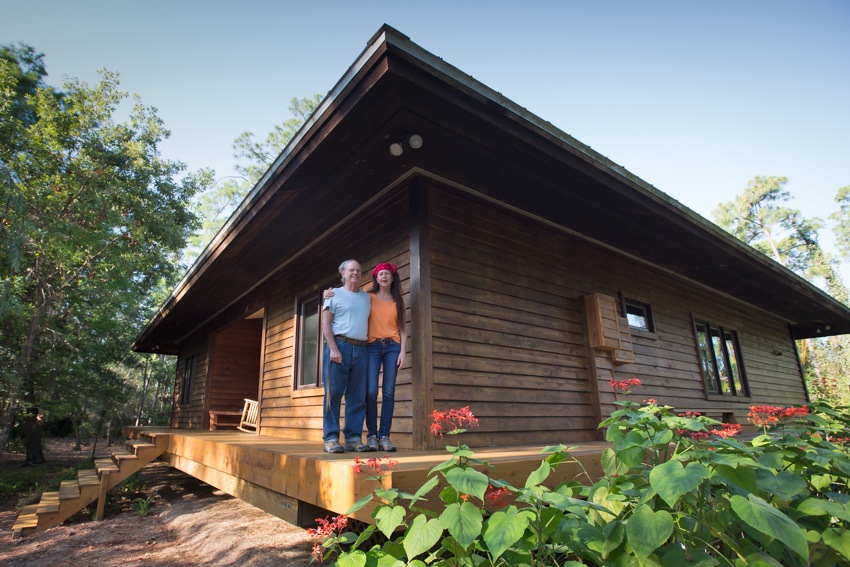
(87, 477)
(69, 489)
(105, 464)
(49, 503)
(28, 518)
(124, 455)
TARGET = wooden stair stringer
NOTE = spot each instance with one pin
(74, 495)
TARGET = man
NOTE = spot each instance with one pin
(345, 324)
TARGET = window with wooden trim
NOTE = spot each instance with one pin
(188, 378)
(720, 360)
(309, 342)
(638, 314)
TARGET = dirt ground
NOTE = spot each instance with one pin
(189, 523)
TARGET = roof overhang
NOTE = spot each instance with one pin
(476, 139)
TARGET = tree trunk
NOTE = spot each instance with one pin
(33, 432)
(7, 418)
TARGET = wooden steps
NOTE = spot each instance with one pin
(90, 485)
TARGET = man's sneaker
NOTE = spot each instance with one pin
(384, 444)
(357, 446)
(372, 442)
(333, 447)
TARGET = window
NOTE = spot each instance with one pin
(639, 315)
(720, 359)
(310, 342)
(188, 376)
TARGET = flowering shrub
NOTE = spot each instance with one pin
(676, 490)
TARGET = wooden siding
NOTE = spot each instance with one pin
(510, 338)
(191, 415)
(379, 234)
(235, 365)
(508, 327)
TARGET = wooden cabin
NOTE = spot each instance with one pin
(535, 271)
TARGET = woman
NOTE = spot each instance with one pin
(386, 346)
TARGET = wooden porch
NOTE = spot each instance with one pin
(298, 482)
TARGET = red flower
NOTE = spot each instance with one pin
(624, 386)
(452, 421)
(327, 528)
(374, 466)
(768, 416)
(496, 496)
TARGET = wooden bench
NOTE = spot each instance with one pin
(224, 419)
(247, 420)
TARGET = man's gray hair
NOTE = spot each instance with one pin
(345, 264)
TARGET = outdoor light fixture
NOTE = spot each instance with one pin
(414, 141)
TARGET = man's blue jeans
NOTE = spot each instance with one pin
(386, 355)
(348, 379)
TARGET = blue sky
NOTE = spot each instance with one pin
(694, 97)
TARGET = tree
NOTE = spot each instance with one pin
(91, 222)
(758, 217)
(216, 204)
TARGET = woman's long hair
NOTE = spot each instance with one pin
(395, 289)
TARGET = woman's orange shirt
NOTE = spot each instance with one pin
(383, 320)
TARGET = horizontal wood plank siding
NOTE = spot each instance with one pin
(509, 329)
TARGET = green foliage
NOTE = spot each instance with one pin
(676, 490)
(91, 223)
(28, 482)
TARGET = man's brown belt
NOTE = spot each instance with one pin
(354, 342)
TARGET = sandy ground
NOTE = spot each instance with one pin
(189, 523)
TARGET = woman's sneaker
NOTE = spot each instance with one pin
(384, 444)
(372, 442)
(333, 447)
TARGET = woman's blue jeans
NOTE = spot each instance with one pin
(381, 355)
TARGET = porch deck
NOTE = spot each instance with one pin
(296, 481)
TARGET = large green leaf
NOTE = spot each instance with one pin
(539, 475)
(671, 480)
(839, 541)
(763, 517)
(421, 536)
(463, 521)
(783, 484)
(503, 529)
(648, 530)
(354, 558)
(821, 507)
(388, 518)
(468, 481)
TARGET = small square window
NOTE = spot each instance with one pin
(639, 315)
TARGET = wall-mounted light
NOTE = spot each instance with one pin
(414, 141)
(777, 352)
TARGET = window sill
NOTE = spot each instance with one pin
(308, 392)
(727, 398)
